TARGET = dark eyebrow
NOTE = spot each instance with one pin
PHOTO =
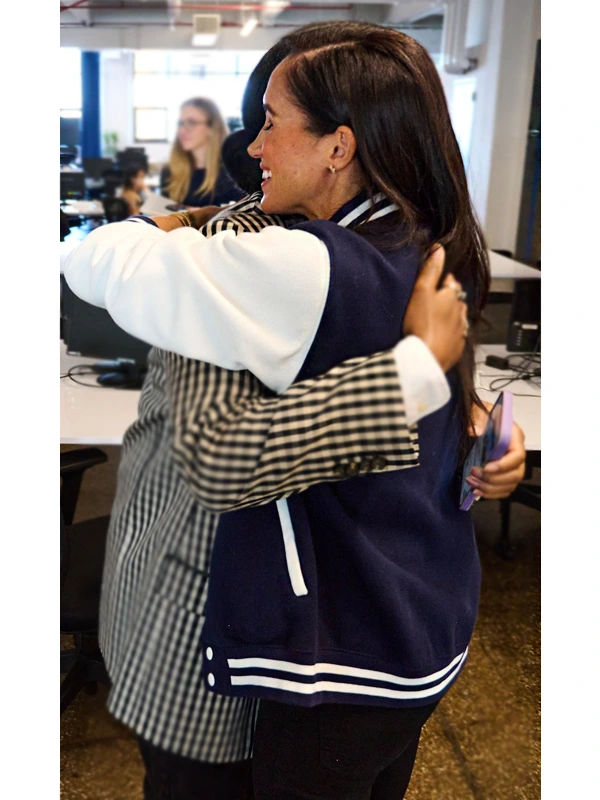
(268, 108)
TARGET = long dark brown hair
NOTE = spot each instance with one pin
(384, 86)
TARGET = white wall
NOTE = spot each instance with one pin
(501, 115)
(116, 96)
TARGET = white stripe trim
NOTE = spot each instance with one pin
(339, 669)
(291, 551)
(343, 688)
(383, 211)
(352, 215)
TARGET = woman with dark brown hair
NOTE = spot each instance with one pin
(348, 607)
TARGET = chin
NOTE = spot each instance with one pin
(271, 205)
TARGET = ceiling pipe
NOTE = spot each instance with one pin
(205, 7)
(75, 5)
(454, 36)
(124, 25)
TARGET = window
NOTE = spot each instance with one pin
(69, 82)
(163, 80)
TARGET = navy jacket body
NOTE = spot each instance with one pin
(361, 591)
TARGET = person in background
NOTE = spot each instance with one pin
(134, 189)
(195, 175)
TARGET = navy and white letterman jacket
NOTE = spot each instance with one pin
(364, 591)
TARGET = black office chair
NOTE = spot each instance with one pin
(81, 561)
(113, 179)
(115, 209)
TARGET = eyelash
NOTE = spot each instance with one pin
(267, 126)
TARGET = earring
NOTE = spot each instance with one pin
(332, 168)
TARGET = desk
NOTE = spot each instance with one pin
(83, 208)
(505, 271)
(526, 410)
(90, 414)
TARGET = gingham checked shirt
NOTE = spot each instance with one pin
(208, 440)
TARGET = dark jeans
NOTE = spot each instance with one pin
(170, 777)
(335, 752)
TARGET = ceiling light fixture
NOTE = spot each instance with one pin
(249, 26)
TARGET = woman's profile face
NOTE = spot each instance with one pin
(294, 160)
(193, 130)
(139, 181)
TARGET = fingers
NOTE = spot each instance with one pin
(500, 478)
(432, 269)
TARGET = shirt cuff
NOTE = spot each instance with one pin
(424, 385)
(142, 218)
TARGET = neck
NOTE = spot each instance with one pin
(199, 157)
(338, 192)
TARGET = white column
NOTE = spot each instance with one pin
(500, 124)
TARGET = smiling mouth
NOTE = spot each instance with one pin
(266, 175)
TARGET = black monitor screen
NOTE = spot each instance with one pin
(69, 131)
(72, 185)
(132, 159)
(90, 332)
(96, 167)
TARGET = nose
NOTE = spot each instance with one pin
(254, 149)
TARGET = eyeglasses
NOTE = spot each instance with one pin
(190, 124)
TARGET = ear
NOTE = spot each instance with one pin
(343, 147)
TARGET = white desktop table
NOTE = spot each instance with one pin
(505, 271)
(82, 208)
(100, 415)
(527, 395)
(93, 414)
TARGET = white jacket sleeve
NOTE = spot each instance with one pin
(248, 301)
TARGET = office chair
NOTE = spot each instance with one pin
(113, 179)
(81, 561)
(115, 209)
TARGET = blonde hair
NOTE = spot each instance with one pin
(182, 165)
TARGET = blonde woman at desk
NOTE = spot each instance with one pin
(195, 175)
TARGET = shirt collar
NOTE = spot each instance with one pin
(354, 212)
(357, 210)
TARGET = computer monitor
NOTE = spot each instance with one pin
(96, 167)
(90, 332)
(525, 326)
(70, 131)
(132, 159)
(67, 155)
(72, 185)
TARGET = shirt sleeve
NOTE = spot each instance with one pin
(425, 386)
(249, 301)
(246, 447)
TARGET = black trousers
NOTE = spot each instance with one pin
(335, 752)
(171, 777)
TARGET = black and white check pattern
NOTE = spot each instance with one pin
(208, 440)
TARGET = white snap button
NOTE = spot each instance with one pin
(211, 679)
(209, 653)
